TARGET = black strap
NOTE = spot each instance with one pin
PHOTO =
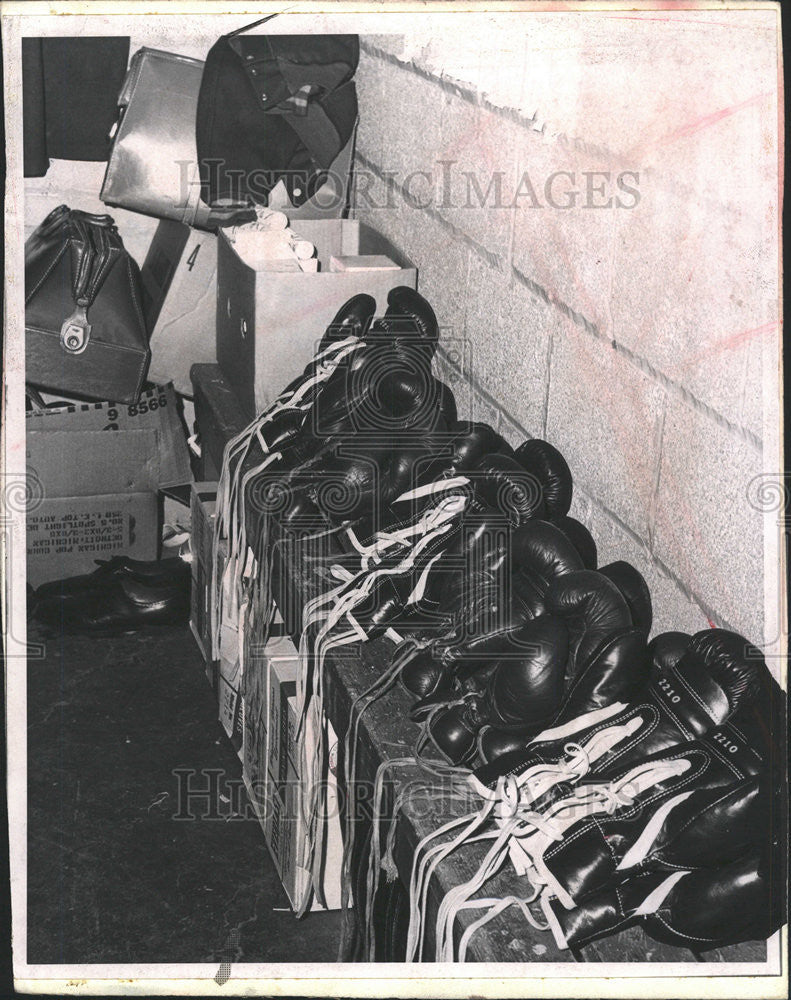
(249, 27)
(220, 216)
(318, 129)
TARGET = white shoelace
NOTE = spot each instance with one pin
(364, 701)
(524, 835)
(242, 581)
(537, 780)
(375, 853)
(328, 609)
(585, 802)
(423, 867)
(229, 508)
(494, 906)
(447, 510)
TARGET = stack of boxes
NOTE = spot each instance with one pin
(257, 708)
(93, 474)
(268, 324)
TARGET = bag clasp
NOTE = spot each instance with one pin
(76, 331)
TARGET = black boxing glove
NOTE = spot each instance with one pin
(580, 538)
(372, 434)
(593, 608)
(459, 452)
(538, 553)
(279, 434)
(474, 608)
(708, 908)
(526, 688)
(694, 805)
(351, 320)
(632, 585)
(486, 627)
(608, 657)
(525, 685)
(357, 383)
(550, 469)
(364, 475)
(618, 671)
(718, 673)
(406, 584)
(409, 315)
(667, 648)
(503, 485)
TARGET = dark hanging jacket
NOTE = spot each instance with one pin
(273, 106)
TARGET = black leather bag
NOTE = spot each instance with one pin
(85, 334)
(271, 107)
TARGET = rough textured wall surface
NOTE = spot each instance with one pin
(592, 205)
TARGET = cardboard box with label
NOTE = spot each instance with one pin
(271, 770)
(179, 278)
(179, 301)
(94, 496)
(270, 323)
(158, 409)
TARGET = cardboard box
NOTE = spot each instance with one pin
(218, 416)
(285, 833)
(93, 497)
(223, 673)
(256, 705)
(270, 765)
(282, 666)
(179, 301)
(281, 827)
(156, 410)
(202, 500)
(269, 324)
(230, 670)
(179, 279)
(229, 702)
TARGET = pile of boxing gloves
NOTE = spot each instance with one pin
(366, 444)
(619, 777)
(653, 797)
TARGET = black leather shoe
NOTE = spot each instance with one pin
(115, 605)
(164, 572)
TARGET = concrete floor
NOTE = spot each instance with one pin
(114, 875)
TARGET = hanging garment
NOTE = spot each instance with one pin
(69, 89)
(273, 106)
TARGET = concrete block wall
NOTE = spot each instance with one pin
(640, 338)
